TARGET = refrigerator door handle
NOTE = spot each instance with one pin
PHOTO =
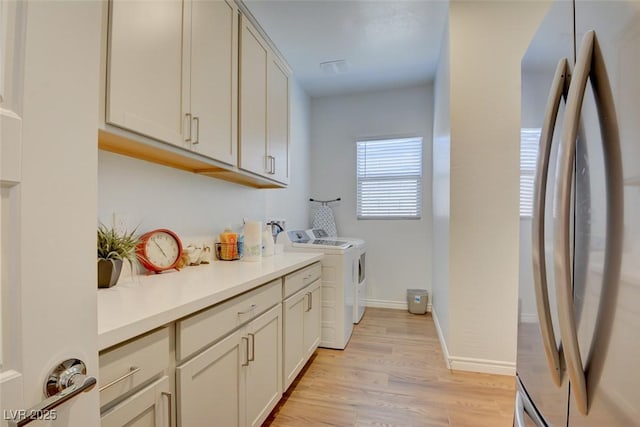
(518, 413)
(537, 226)
(589, 64)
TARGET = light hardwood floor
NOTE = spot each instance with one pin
(392, 373)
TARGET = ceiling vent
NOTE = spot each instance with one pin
(334, 67)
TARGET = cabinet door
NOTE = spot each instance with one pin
(144, 84)
(12, 27)
(278, 115)
(294, 315)
(264, 373)
(254, 54)
(150, 407)
(210, 387)
(213, 83)
(312, 319)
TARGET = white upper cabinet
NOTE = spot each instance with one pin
(144, 86)
(200, 76)
(254, 54)
(278, 115)
(264, 107)
(213, 70)
(172, 73)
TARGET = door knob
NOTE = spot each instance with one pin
(64, 382)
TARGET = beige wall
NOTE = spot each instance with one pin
(441, 186)
(487, 42)
(398, 251)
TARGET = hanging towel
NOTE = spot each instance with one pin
(324, 219)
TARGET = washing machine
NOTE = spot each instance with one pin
(360, 288)
(339, 278)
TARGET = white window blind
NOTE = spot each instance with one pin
(389, 175)
(529, 141)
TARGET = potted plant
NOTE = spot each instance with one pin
(113, 249)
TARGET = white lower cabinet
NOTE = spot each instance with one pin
(210, 386)
(150, 407)
(313, 319)
(302, 325)
(238, 380)
(233, 360)
(264, 370)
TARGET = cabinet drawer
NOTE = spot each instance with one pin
(136, 362)
(200, 330)
(149, 407)
(295, 281)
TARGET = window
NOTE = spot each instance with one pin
(389, 175)
(529, 140)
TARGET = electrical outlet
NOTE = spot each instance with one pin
(120, 223)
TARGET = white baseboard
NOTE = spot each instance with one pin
(482, 365)
(443, 343)
(528, 318)
(471, 364)
(396, 305)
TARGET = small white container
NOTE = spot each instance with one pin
(252, 246)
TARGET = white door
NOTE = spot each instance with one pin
(49, 194)
(211, 385)
(214, 79)
(312, 319)
(278, 115)
(264, 373)
(293, 310)
(147, 408)
(254, 55)
(145, 69)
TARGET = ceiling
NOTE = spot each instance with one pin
(386, 44)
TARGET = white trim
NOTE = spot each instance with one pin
(395, 305)
(443, 342)
(528, 318)
(482, 365)
(11, 148)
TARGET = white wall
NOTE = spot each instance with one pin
(487, 42)
(441, 184)
(398, 251)
(155, 196)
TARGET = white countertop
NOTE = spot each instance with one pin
(141, 303)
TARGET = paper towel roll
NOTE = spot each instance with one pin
(252, 241)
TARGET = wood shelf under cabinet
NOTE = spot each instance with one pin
(175, 157)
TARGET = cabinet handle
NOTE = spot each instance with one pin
(538, 220)
(253, 348)
(188, 117)
(246, 340)
(197, 120)
(249, 310)
(310, 301)
(273, 165)
(169, 398)
(132, 370)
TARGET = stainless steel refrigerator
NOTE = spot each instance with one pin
(579, 326)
